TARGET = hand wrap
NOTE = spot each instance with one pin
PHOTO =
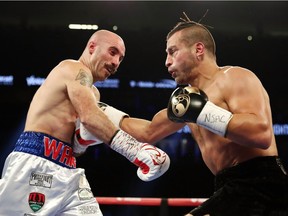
(115, 115)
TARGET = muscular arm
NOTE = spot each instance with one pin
(246, 98)
(151, 131)
(82, 96)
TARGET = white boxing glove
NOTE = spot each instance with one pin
(152, 161)
(83, 138)
(112, 113)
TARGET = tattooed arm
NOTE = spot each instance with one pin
(61, 99)
(84, 97)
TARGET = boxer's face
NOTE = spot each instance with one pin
(180, 59)
(106, 58)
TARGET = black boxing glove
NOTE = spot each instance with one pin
(190, 104)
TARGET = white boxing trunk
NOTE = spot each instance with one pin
(32, 183)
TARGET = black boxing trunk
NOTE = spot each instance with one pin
(257, 187)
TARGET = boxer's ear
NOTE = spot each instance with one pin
(91, 47)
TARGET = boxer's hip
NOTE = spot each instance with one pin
(47, 147)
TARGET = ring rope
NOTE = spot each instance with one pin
(150, 201)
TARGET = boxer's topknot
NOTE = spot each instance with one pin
(197, 31)
(186, 19)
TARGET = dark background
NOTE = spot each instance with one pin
(34, 37)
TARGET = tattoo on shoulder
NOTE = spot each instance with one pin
(85, 78)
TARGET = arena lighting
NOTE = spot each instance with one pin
(114, 83)
(108, 83)
(34, 81)
(249, 37)
(164, 83)
(6, 80)
(280, 129)
(83, 26)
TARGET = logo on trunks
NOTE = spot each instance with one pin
(83, 210)
(85, 194)
(36, 201)
(59, 152)
(41, 180)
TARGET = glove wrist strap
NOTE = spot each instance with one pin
(113, 137)
(214, 118)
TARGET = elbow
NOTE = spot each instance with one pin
(268, 137)
(264, 137)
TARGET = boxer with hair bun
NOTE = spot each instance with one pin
(228, 112)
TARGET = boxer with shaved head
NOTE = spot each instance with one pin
(65, 117)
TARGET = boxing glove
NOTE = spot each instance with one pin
(190, 104)
(152, 162)
(83, 138)
(112, 113)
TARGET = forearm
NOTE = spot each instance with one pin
(138, 128)
(99, 125)
(151, 131)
